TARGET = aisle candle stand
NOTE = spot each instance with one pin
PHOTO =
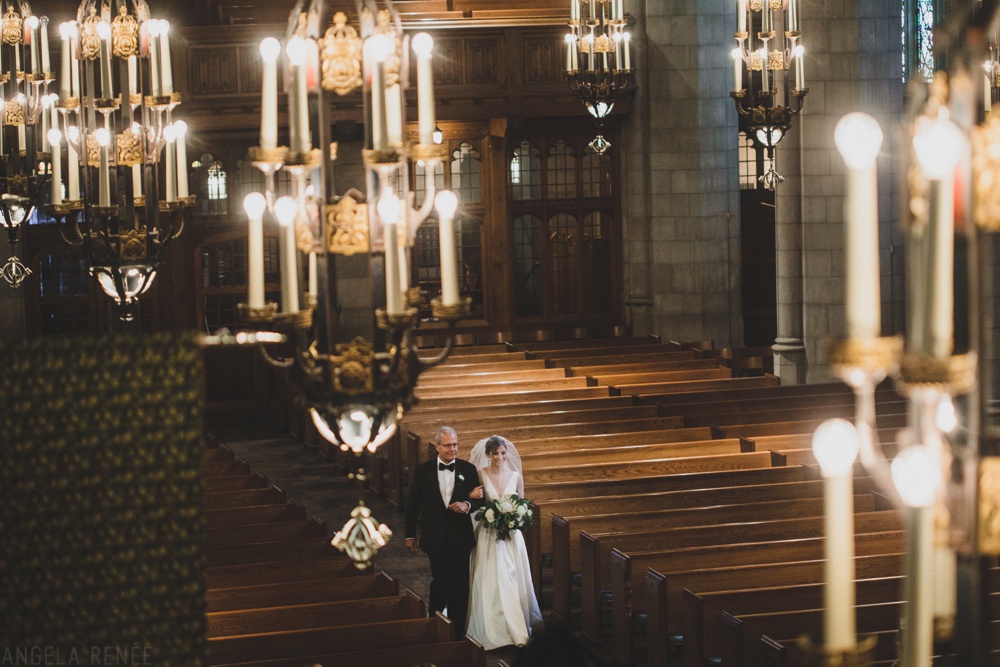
(358, 390)
(126, 195)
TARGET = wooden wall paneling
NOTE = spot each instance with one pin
(484, 62)
(215, 70)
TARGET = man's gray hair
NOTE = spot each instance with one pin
(445, 430)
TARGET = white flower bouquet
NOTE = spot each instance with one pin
(506, 514)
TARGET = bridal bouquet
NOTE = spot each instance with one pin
(506, 514)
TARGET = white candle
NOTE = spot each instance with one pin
(393, 113)
(793, 16)
(46, 107)
(737, 69)
(55, 138)
(592, 54)
(313, 282)
(765, 18)
(574, 10)
(941, 243)
(445, 202)
(618, 50)
(75, 66)
(133, 76)
(741, 16)
(298, 104)
(987, 93)
(765, 83)
(21, 140)
(628, 50)
(182, 166)
(66, 31)
(104, 175)
(270, 49)
(286, 210)
(166, 73)
(393, 295)
(858, 138)
(593, 10)
(569, 53)
(170, 162)
(104, 32)
(800, 72)
(575, 50)
(36, 57)
(836, 446)
(153, 29)
(404, 270)
(72, 165)
(254, 204)
(136, 180)
(379, 132)
(945, 574)
(44, 34)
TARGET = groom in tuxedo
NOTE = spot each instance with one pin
(439, 497)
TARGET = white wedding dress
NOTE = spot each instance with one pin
(502, 604)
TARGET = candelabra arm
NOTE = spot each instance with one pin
(871, 455)
(438, 359)
(273, 361)
(419, 215)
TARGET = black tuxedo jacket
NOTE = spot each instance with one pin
(441, 528)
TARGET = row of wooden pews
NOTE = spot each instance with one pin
(279, 595)
(696, 527)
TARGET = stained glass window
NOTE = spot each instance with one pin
(918, 43)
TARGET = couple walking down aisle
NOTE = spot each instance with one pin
(503, 606)
(503, 609)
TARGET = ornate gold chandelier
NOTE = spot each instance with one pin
(598, 58)
(356, 390)
(125, 195)
(768, 73)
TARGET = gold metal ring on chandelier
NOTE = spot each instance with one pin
(459, 311)
(953, 375)
(405, 320)
(428, 152)
(873, 355)
(263, 313)
(267, 156)
(805, 653)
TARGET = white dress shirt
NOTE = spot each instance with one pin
(446, 482)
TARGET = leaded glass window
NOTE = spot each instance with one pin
(526, 172)
(465, 173)
(528, 245)
(560, 167)
(918, 39)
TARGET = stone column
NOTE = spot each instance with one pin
(790, 363)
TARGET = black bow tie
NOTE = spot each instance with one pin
(449, 466)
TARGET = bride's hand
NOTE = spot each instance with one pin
(476, 492)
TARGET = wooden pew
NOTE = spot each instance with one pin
(673, 375)
(844, 411)
(472, 376)
(280, 572)
(661, 388)
(232, 499)
(261, 552)
(737, 394)
(253, 514)
(595, 549)
(224, 468)
(752, 404)
(600, 370)
(495, 397)
(592, 343)
(467, 653)
(463, 365)
(656, 467)
(566, 556)
(633, 453)
(701, 630)
(742, 633)
(278, 531)
(300, 592)
(314, 615)
(292, 646)
(809, 426)
(499, 387)
(235, 483)
(567, 356)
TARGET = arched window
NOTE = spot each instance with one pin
(209, 179)
(564, 251)
(526, 172)
(419, 169)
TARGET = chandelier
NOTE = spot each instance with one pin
(124, 196)
(767, 97)
(26, 114)
(598, 58)
(356, 390)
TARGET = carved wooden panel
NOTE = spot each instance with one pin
(447, 62)
(541, 62)
(250, 69)
(484, 60)
(214, 71)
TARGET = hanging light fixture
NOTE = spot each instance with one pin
(126, 194)
(598, 58)
(356, 390)
(25, 105)
(767, 96)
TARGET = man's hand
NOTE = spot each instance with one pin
(462, 507)
(411, 544)
(476, 492)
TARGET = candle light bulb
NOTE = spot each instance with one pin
(103, 30)
(296, 50)
(285, 209)
(31, 22)
(422, 45)
(835, 445)
(380, 46)
(169, 133)
(858, 138)
(946, 417)
(180, 129)
(939, 145)
(915, 476)
(73, 134)
(255, 204)
(270, 49)
(446, 202)
(55, 137)
(389, 207)
(103, 137)
(67, 30)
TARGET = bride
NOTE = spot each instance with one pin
(502, 604)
